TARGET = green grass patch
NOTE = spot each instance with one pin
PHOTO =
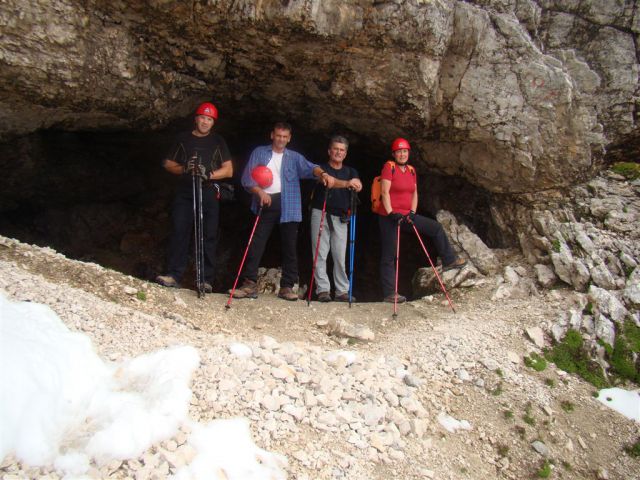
(608, 349)
(508, 414)
(629, 170)
(550, 382)
(628, 271)
(503, 450)
(567, 406)
(499, 372)
(570, 355)
(141, 295)
(588, 309)
(527, 417)
(555, 245)
(632, 333)
(626, 346)
(535, 361)
(545, 470)
(498, 390)
(634, 449)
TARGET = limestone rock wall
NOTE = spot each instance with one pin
(585, 236)
(513, 95)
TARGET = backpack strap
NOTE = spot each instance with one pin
(412, 170)
(393, 166)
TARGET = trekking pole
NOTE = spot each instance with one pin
(315, 257)
(233, 290)
(352, 241)
(200, 238)
(433, 267)
(395, 295)
(196, 187)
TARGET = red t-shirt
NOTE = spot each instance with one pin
(403, 184)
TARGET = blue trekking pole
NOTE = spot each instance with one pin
(352, 241)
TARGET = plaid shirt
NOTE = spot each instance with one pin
(294, 168)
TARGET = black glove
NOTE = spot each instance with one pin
(396, 217)
(410, 217)
(197, 169)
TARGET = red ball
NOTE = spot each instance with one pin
(262, 176)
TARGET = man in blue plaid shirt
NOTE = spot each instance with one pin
(281, 204)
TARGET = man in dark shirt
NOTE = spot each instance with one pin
(215, 160)
(335, 230)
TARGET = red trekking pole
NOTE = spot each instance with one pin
(434, 268)
(315, 257)
(233, 290)
(395, 295)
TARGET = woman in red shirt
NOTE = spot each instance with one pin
(399, 193)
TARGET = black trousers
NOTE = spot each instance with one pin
(269, 218)
(181, 237)
(388, 236)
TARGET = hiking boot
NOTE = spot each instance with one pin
(344, 297)
(391, 298)
(324, 297)
(249, 289)
(167, 281)
(286, 293)
(459, 263)
(207, 287)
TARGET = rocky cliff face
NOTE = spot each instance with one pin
(513, 95)
(510, 102)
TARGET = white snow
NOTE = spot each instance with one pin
(241, 350)
(348, 356)
(623, 401)
(224, 446)
(451, 424)
(63, 407)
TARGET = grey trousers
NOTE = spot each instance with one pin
(334, 236)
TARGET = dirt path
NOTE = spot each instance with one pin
(467, 365)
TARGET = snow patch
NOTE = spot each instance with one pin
(63, 406)
(622, 401)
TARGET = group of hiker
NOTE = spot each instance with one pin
(201, 157)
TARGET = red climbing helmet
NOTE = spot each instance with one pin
(400, 144)
(262, 176)
(208, 109)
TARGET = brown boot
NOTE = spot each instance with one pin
(344, 297)
(458, 263)
(391, 298)
(286, 293)
(167, 281)
(249, 289)
(324, 297)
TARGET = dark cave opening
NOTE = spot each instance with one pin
(103, 197)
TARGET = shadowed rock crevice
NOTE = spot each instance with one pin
(103, 197)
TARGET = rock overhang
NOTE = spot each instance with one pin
(469, 86)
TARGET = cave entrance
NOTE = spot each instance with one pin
(103, 197)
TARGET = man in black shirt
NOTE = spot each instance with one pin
(335, 230)
(215, 164)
